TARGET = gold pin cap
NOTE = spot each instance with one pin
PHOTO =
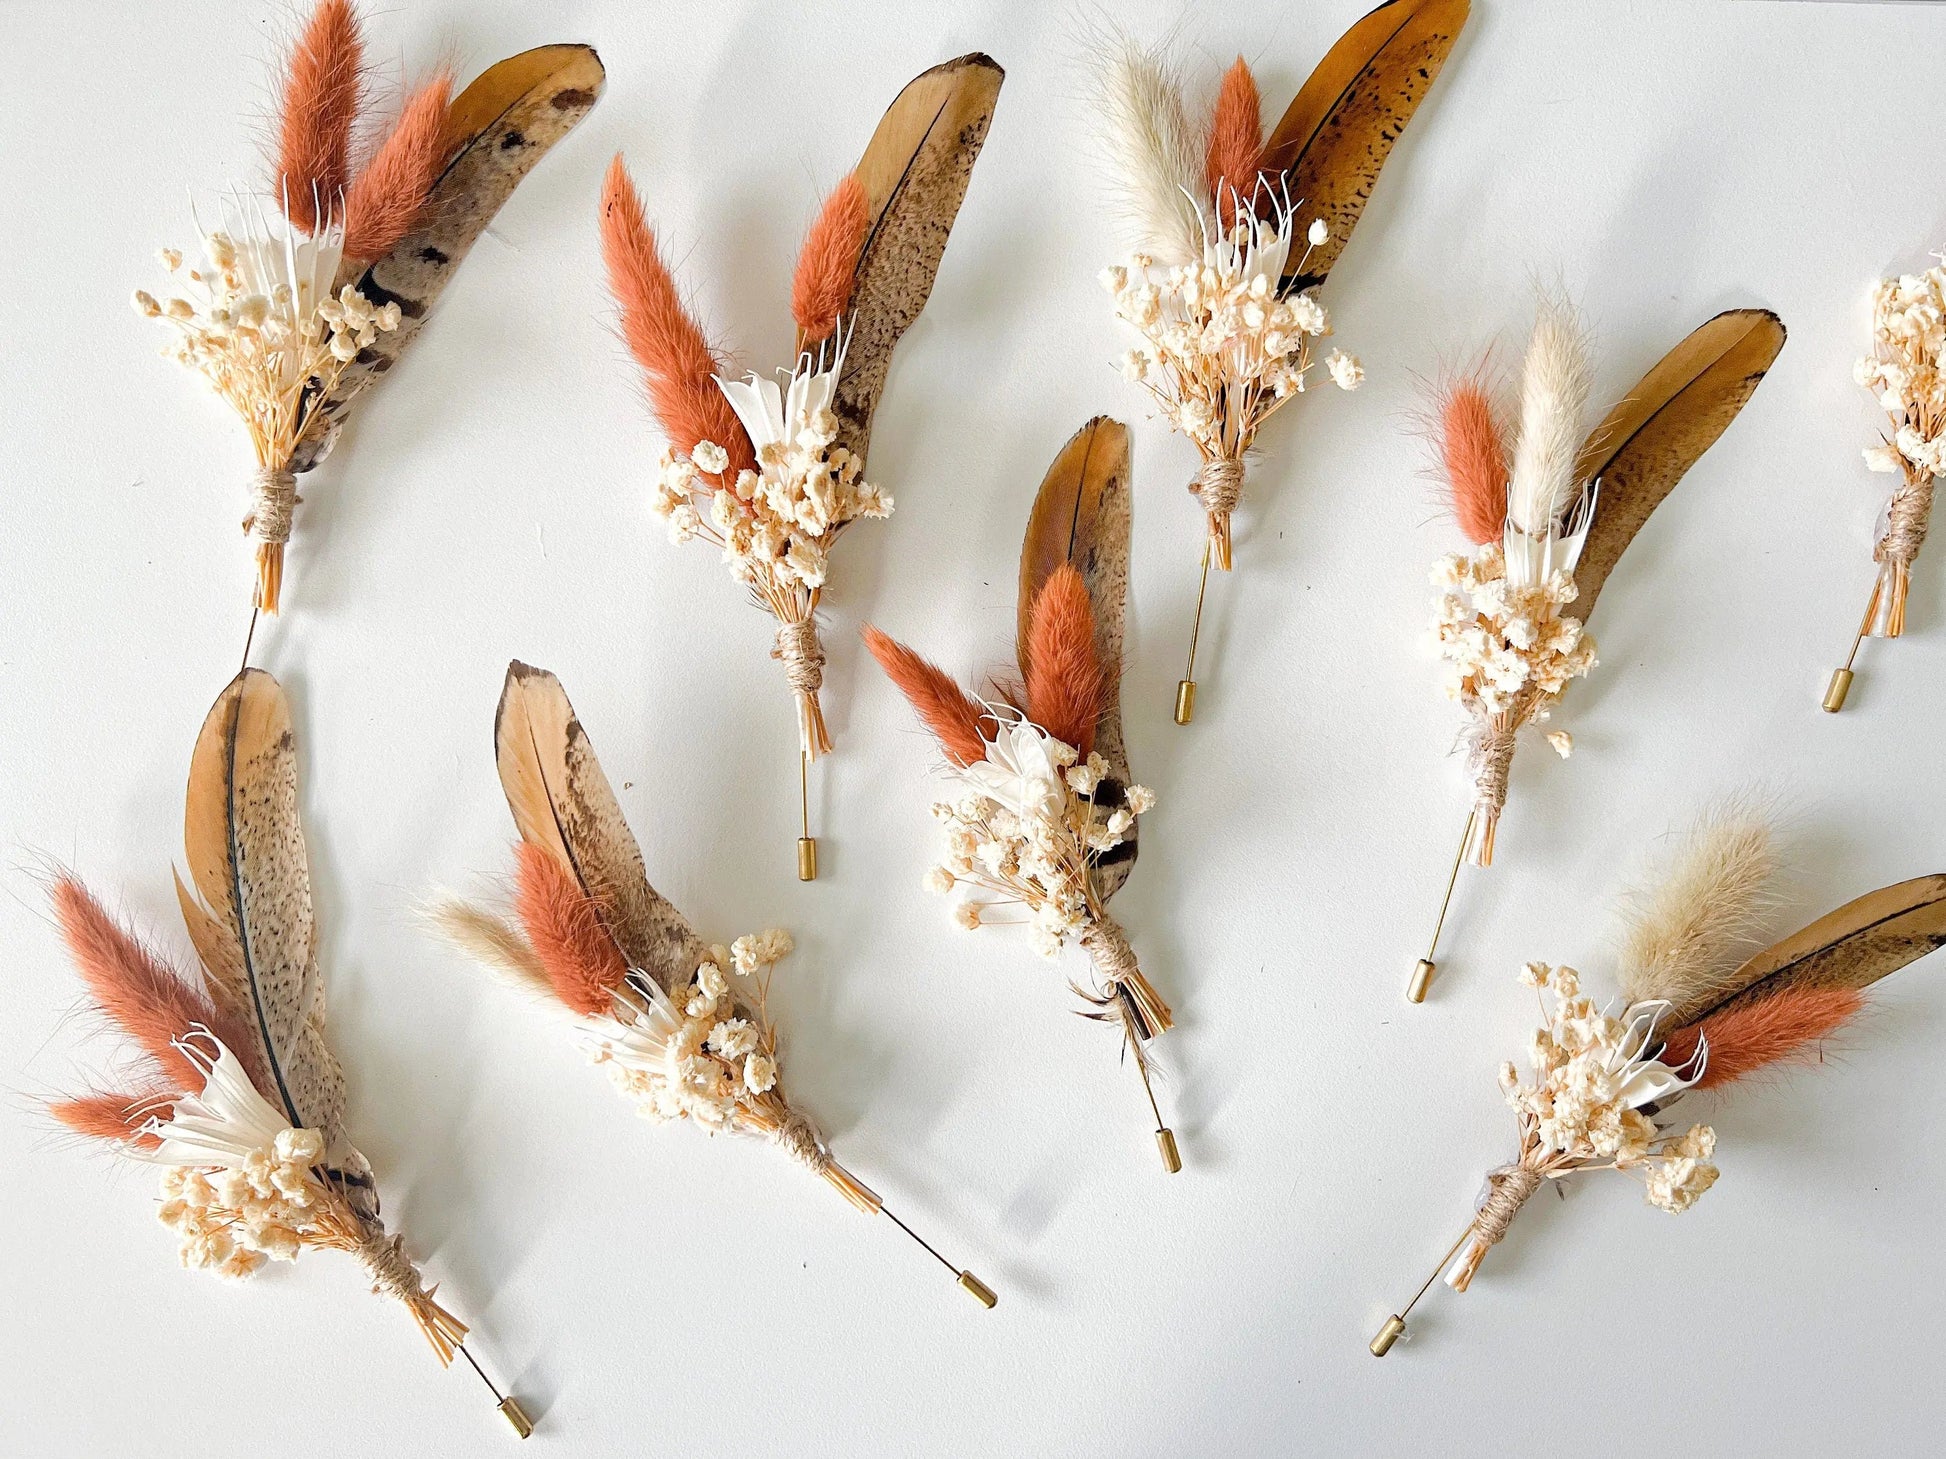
(982, 1293)
(517, 1416)
(1422, 971)
(1393, 1330)
(1840, 686)
(1185, 700)
(1165, 1141)
(807, 858)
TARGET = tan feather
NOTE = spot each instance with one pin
(563, 804)
(1338, 131)
(1685, 933)
(256, 930)
(1661, 428)
(1082, 515)
(491, 941)
(1851, 948)
(497, 129)
(915, 171)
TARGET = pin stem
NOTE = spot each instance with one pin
(1186, 688)
(250, 637)
(807, 846)
(979, 1290)
(1422, 972)
(1165, 1138)
(1394, 1327)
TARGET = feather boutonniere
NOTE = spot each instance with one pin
(238, 1097)
(1694, 1014)
(1906, 373)
(1549, 510)
(682, 1026)
(1234, 232)
(772, 471)
(1041, 822)
(305, 297)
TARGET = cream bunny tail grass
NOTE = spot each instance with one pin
(492, 941)
(1689, 929)
(1152, 153)
(1555, 381)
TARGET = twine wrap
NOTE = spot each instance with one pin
(1490, 760)
(273, 502)
(1906, 518)
(1219, 486)
(1508, 1189)
(1122, 981)
(800, 651)
(798, 1138)
(394, 1275)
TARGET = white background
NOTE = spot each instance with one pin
(649, 1291)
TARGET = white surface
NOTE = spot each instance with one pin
(648, 1291)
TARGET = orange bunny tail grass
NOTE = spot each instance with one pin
(827, 264)
(1473, 455)
(1236, 142)
(565, 928)
(136, 989)
(666, 342)
(1064, 678)
(947, 710)
(116, 1117)
(1758, 1035)
(320, 103)
(391, 192)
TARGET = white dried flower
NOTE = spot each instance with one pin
(1346, 372)
(759, 1073)
(1141, 799)
(1562, 741)
(1318, 233)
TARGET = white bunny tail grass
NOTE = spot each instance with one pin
(1151, 151)
(489, 940)
(1555, 381)
(1705, 910)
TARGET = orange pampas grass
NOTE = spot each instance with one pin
(827, 264)
(666, 342)
(384, 203)
(1064, 679)
(566, 931)
(117, 1117)
(1236, 141)
(1473, 454)
(948, 710)
(320, 102)
(142, 994)
(1783, 1026)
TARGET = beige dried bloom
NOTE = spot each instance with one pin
(1497, 640)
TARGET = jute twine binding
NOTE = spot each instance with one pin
(1218, 485)
(1491, 762)
(1115, 965)
(1508, 1189)
(797, 648)
(273, 502)
(391, 1270)
(1906, 516)
(801, 1141)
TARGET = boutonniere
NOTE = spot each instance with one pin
(771, 472)
(1548, 506)
(1234, 233)
(236, 1096)
(1606, 1078)
(1040, 815)
(682, 1026)
(1904, 373)
(309, 291)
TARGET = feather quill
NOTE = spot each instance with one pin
(954, 716)
(1065, 681)
(1685, 934)
(319, 105)
(385, 201)
(1154, 168)
(1555, 380)
(1760, 1035)
(669, 345)
(827, 264)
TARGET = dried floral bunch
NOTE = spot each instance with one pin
(682, 1027)
(771, 472)
(1042, 817)
(1549, 506)
(1906, 374)
(1698, 1011)
(238, 1097)
(307, 295)
(1233, 231)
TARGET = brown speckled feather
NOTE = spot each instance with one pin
(1660, 429)
(498, 128)
(255, 929)
(1083, 515)
(1853, 947)
(562, 802)
(915, 172)
(1338, 131)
